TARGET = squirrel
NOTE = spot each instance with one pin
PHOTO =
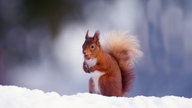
(110, 65)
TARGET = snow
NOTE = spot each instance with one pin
(18, 97)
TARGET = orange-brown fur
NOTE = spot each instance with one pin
(117, 71)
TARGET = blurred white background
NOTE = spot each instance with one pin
(40, 43)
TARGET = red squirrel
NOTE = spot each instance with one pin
(110, 65)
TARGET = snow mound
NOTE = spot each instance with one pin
(17, 97)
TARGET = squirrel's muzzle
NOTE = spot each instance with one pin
(86, 55)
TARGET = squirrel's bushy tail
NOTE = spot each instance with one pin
(125, 49)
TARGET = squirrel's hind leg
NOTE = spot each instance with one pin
(91, 86)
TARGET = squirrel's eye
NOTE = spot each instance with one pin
(92, 46)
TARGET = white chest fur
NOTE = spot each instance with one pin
(91, 62)
(95, 76)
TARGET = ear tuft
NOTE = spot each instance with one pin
(96, 36)
(87, 35)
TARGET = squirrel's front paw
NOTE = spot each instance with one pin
(92, 69)
(86, 68)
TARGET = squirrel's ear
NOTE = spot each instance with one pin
(87, 35)
(96, 36)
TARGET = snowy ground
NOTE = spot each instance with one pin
(17, 97)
